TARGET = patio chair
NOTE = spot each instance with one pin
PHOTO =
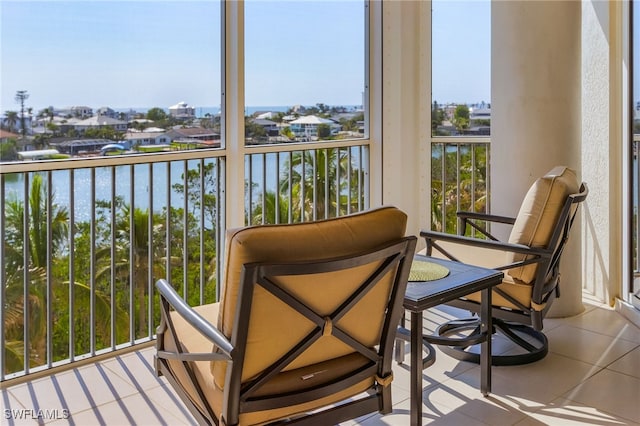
(530, 259)
(305, 328)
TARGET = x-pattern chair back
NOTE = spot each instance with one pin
(268, 276)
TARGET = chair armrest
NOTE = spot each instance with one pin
(431, 238)
(486, 217)
(469, 218)
(199, 323)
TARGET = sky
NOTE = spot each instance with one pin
(148, 53)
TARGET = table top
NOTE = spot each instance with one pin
(463, 279)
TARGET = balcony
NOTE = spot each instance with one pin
(590, 355)
(105, 374)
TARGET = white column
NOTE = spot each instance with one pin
(406, 122)
(536, 112)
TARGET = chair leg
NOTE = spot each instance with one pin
(532, 344)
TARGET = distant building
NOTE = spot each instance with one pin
(307, 126)
(182, 111)
(17, 126)
(194, 136)
(107, 112)
(482, 115)
(98, 121)
(79, 146)
(144, 138)
(271, 127)
(81, 111)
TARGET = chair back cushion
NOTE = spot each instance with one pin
(273, 326)
(538, 216)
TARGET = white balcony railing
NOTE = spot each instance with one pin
(86, 240)
(84, 243)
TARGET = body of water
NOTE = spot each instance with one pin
(125, 186)
(250, 110)
(139, 186)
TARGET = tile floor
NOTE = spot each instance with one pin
(591, 376)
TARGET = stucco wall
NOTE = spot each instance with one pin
(601, 148)
(536, 110)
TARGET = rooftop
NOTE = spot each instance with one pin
(590, 354)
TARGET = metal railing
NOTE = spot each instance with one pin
(306, 184)
(85, 240)
(84, 243)
(459, 179)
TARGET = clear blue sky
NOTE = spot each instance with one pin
(156, 53)
(461, 51)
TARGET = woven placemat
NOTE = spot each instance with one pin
(427, 271)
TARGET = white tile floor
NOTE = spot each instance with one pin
(591, 376)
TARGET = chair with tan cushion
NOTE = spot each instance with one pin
(305, 327)
(530, 259)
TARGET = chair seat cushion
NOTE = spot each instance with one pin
(488, 258)
(290, 381)
(473, 255)
(538, 216)
(519, 291)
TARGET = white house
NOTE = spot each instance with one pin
(182, 110)
(101, 121)
(307, 126)
(147, 138)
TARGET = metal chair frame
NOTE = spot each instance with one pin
(241, 397)
(546, 285)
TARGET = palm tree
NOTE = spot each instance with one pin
(37, 240)
(138, 245)
(48, 113)
(470, 173)
(35, 303)
(11, 120)
(265, 211)
(15, 302)
(34, 300)
(320, 192)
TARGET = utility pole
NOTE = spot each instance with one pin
(21, 96)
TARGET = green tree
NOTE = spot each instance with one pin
(464, 185)
(37, 231)
(53, 128)
(15, 304)
(41, 140)
(321, 190)
(47, 113)
(351, 124)
(437, 116)
(324, 131)
(11, 120)
(287, 133)
(461, 118)
(196, 193)
(8, 150)
(103, 132)
(268, 207)
(254, 131)
(134, 244)
(43, 283)
(156, 114)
